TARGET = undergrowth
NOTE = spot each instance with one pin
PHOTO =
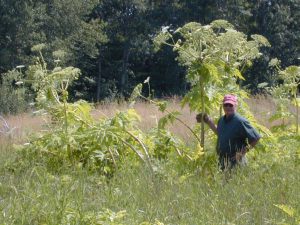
(175, 194)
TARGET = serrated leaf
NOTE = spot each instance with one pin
(169, 118)
(238, 74)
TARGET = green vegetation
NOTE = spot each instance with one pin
(13, 95)
(174, 194)
(79, 169)
(215, 56)
(83, 171)
(111, 41)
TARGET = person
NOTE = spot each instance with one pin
(235, 134)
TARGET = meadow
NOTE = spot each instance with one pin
(264, 192)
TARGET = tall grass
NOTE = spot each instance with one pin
(175, 194)
(35, 196)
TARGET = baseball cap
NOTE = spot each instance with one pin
(231, 99)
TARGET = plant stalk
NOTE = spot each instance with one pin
(203, 112)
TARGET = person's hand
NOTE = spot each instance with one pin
(199, 117)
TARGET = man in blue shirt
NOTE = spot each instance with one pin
(235, 134)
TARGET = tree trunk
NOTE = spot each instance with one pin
(99, 79)
(124, 73)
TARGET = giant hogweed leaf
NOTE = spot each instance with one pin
(125, 119)
(161, 39)
(192, 99)
(234, 72)
(291, 75)
(135, 93)
(212, 72)
(169, 118)
(205, 72)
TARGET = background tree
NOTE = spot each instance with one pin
(128, 41)
(70, 30)
(278, 21)
(111, 41)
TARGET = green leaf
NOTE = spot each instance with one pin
(162, 105)
(238, 74)
(136, 92)
(161, 39)
(169, 118)
(287, 209)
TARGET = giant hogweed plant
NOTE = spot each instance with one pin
(285, 94)
(192, 152)
(215, 56)
(291, 77)
(74, 138)
(291, 82)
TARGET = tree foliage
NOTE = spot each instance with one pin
(13, 93)
(111, 41)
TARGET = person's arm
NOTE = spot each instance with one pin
(212, 125)
(251, 145)
(250, 134)
(208, 121)
(246, 149)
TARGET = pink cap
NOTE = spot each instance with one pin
(232, 99)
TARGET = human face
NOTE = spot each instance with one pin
(229, 109)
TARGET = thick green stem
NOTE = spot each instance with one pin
(220, 111)
(202, 102)
(66, 130)
(112, 157)
(44, 65)
(66, 117)
(297, 115)
(203, 113)
(143, 147)
(133, 149)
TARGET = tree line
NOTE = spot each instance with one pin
(111, 41)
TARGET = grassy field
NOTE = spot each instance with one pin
(175, 194)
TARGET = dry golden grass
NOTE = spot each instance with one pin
(25, 124)
(262, 107)
(150, 115)
(19, 127)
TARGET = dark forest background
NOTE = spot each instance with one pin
(111, 41)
